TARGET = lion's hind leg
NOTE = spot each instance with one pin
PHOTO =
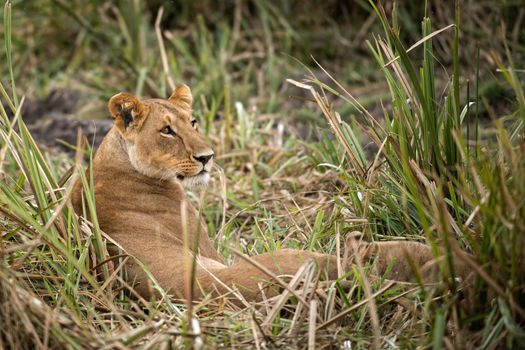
(404, 260)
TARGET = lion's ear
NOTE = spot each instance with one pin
(126, 110)
(182, 97)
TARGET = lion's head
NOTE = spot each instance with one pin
(161, 137)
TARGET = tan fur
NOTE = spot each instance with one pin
(138, 173)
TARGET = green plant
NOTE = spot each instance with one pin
(427, 179)
(436, 176)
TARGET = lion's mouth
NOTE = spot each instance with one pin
(196, 181)
(202, 172)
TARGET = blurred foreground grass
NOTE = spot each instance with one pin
(436, 176)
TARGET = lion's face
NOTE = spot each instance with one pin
(161, 137)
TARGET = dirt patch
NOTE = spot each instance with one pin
(54, 121)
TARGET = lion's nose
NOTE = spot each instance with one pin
(203, 158)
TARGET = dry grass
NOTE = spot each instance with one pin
(273, 189)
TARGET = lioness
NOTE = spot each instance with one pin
(152, 151)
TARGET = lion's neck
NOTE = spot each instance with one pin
(112, 152)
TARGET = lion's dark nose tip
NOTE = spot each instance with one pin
(203, 159)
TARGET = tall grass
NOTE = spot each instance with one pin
(428, 181)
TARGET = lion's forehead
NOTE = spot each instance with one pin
(162, 109)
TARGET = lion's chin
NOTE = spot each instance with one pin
(197, 181)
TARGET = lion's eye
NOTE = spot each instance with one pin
(167, 130)
(194, 124)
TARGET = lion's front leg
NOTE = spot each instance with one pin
(249, 274)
